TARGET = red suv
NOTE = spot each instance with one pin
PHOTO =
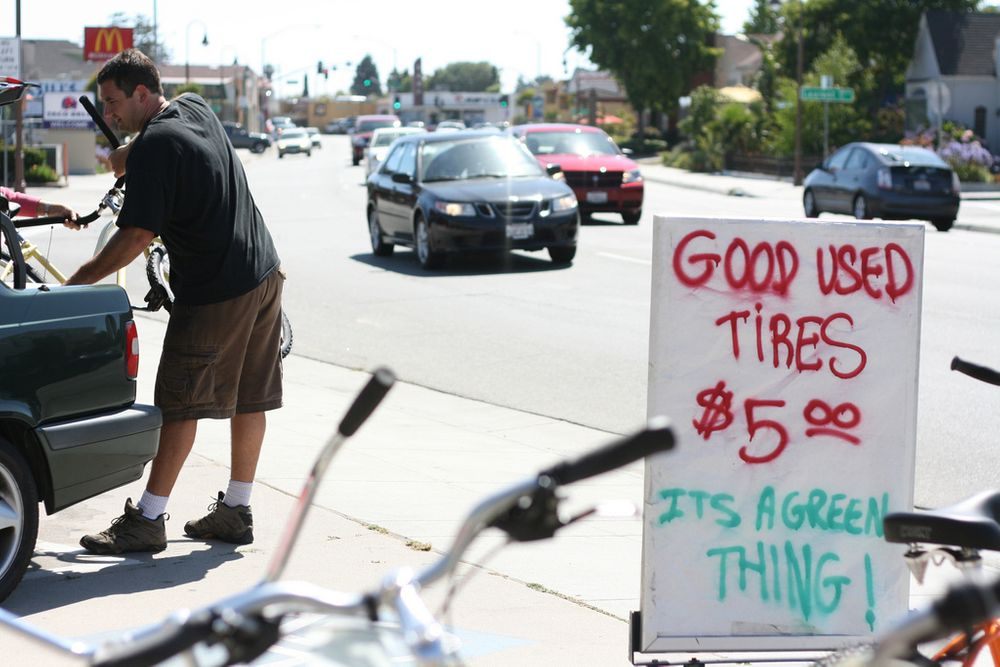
(603, 178)
(361, 134)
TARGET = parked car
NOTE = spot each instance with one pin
(294, 140)
(313, 133)
(379, 145)
(465, 191)
(70, 428)
(361, 134)
(257, 142)
(886, 181)
(602, 176)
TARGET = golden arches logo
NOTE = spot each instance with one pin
(109, 40)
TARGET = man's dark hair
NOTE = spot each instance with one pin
(130, 68)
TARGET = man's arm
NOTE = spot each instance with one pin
(124, 246)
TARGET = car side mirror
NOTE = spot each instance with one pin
(628, 151)
(553, 169)
(401, 178)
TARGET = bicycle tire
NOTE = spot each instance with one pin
(158, 273)
(285, 344)
(29, 270)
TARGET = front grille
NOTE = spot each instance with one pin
(515, 210)
(593, 179)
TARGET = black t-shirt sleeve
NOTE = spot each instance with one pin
(149, 185)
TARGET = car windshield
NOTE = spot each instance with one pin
(386, 138)
(912, 155)
(570, 142)
(369, 125)
(487, 157)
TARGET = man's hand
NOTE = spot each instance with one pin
(117, 159)
(125, 245)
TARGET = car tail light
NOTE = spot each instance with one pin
(956, 185)
(884, 179)
(131, 350)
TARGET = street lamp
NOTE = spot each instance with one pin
(187, 47)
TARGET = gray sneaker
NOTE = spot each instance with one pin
(129, 532)
(229, 524)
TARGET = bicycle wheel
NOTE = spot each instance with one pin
(7, 271)
(158, 273)
(286, 335)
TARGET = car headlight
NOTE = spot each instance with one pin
(454, 208)
(631, 176)
(566, 203)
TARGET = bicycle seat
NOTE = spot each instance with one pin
(971, 523)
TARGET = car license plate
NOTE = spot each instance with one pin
(921, 185)
(520, 230)
(597, 197)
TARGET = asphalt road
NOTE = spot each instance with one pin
(571, 342)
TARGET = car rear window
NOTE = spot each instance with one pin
(912, 155)
(369, 125)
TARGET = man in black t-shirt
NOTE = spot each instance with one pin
(221, 360)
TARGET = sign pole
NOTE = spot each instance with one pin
(19, 183)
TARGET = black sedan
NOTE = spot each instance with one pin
(884, 181)
(464, 191)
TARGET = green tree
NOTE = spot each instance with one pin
(401, 82)
(653, 47)
(366, 71)
(142, 35)
(881, 32)
(848, 122)
(763, 19)
(465, 76)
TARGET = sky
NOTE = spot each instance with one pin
(521, 37)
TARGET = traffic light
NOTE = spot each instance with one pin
(396, 104)
(319, 67)
(504, 100)
(368, 83)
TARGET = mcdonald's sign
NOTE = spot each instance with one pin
(104, 43)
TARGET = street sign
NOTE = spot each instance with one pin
(814, 94)
(10, 57)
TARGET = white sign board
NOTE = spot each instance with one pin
(785, 353)
(10, 57)
(63, 110)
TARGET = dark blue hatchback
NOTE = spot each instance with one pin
(468, 191)
(884, 181)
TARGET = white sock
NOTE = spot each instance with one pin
(152, 506)
(237, 493)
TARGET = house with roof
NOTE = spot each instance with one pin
(954, 73)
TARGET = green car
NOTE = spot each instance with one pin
(69, 425)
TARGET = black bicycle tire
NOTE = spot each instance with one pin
(29, 270)
(287, 337)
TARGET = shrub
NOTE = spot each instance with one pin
(40, 173)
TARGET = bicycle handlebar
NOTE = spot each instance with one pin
(981, 373)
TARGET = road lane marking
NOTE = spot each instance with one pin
(626, 258)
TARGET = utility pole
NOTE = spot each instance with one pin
(19, 183)
(797, 178)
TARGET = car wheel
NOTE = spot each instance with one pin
(426, 255)
(584, 218)
(309, 153)
(562, 254)
(379, 245)
(19, 512)
(809, 204)
(632, 218)
(860, 208)
(355, 161)
(943, 224)
(258, 147)
(280, 155)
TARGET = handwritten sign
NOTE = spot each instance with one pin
(786, 354)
